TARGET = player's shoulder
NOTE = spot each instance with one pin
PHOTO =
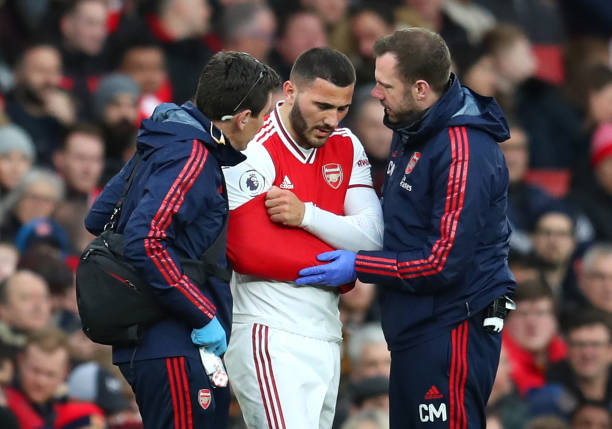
(346, 136)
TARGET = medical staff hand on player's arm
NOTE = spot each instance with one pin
(338, 272)
(284, 207)
(212, 336)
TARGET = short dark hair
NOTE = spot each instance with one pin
(82, 128)
(420, 53)
(532, 290)
(325, 63)
(585, 316)
(228, 78)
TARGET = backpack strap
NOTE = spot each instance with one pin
(114, 218)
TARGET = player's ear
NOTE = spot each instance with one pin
(290, 91)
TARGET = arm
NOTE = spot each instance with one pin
(461, 195)
(103, 206)
(175, 194)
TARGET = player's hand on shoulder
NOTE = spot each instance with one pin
(284, 207)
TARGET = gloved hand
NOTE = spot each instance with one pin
(340, 271)
(212, 336)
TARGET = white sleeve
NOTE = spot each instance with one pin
(250, 178)
(361, 227)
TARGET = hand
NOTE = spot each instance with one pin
(59, 105)
(284, 207)
(337, 273)
(212, 336)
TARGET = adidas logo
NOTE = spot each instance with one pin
(433, 393)
(286, 183)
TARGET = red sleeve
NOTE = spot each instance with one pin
(259, 247)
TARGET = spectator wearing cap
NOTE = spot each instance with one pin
(595, 200)
(116, 107)
(36, 195)
(80, 162)
(92, 383)
(17, 154)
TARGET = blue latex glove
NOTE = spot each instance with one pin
(212, 336)
(340, 271)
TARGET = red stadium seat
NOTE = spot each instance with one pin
(555, 181)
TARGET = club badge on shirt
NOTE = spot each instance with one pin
(333, 175)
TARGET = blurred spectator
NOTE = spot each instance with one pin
(358, 306)
(20, 21)
(367, 123)
(178, 26)
(145, 63)
(24, 302)
(367, 419)
(8, 354)
(78, 237)
(298, 31)
(80, 162)
(42, 369)
(554, 243)
(250, 28)
(511, 411)
(60, 279)
(369, 22)
(531, 336)
(525, 201)
(597, 115)
(334, 14)
(92, 383)
(494, 422)
(477, 70)
(475, 19)
(44, 233)
(592, 415)
(116, 104)
(540, 108)
(36, 195)
(595, 277)
(368, 352)
(585, 373)
(9, 255)
(17, 153)
(432, 14)
(83, 37)
(596, 200)
(37, 104)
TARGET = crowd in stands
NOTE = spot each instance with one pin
(77, 77)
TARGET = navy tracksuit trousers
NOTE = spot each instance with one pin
(445, 382)
(175, 393)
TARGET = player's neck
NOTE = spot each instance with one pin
(285, 113)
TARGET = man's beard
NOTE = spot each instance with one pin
(118, 137)
(29, 96)
(300, 127)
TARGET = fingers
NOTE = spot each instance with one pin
(328, 256)
(317, 269)
(310, 280)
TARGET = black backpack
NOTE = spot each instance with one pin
(114, 303)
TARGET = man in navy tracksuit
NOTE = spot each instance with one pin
(444, 257)
(176, 207)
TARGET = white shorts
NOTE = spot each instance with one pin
(283, 380)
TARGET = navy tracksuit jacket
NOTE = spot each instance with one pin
(444, 256)
(175, 209)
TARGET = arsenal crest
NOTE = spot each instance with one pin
(204, 398)
(333, 175)
(413, 160)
